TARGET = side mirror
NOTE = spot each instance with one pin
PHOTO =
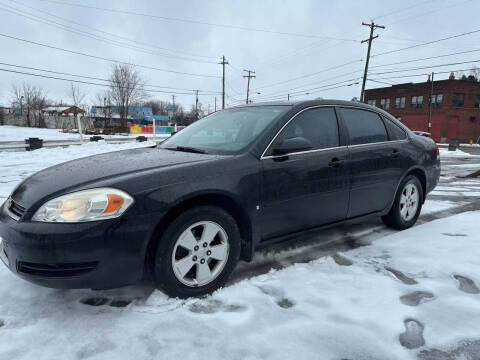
(292, 145)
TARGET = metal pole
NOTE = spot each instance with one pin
(429, 123)
(79, 127)
(154, 128)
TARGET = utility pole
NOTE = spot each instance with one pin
(249, 76)
(429, 124)
(196, 103)
(215, 104)
(288, 97)
(173, 99)
(372, 26)
(223, 63)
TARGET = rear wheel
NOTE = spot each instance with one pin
(197, 252)
(407, 205)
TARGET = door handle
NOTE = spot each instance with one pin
(336, 162)
(395, 153)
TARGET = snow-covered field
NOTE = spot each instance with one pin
(357, 291)
(20, 133)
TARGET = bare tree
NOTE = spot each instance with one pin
(126, 88)
(76, 95)
(31, 101)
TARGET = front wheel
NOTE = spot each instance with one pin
(407, 204)
(197, 252)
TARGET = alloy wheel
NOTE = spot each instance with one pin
(200, 253)
(409, 202)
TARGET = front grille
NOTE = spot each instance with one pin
(56, 270)
(16, 209)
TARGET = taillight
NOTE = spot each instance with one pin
(437, 150)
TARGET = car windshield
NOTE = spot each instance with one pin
(226, 131)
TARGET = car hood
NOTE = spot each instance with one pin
(74, 174)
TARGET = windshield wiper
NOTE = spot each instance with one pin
(187, 149)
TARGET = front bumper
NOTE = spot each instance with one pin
(98, 255)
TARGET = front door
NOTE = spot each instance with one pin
(305, 189)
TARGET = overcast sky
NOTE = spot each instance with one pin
(280, 40)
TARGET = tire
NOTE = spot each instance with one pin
(402, 215)
(182, 244)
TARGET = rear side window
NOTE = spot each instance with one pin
(318, 125)
(364, 127)
(394, 131)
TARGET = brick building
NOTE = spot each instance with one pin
(455, 106)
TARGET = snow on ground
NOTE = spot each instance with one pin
(20, 133)
(418, 288)
(444, 153)
(433, 206)
(392, 295)
(16, 166)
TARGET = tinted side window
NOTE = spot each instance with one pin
(394, 131)
(318, 125)
(364, 127)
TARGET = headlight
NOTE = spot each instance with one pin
(86, 205)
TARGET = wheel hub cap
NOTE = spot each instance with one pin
(200, 253)
(409, 202)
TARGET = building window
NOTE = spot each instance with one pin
(437, 100)
(400, 102)
(372, 102)
(457, 99)
(417, 101)
(385, 103)
(477, 101)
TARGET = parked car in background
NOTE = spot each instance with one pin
(188, 210)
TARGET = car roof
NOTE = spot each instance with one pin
(299, 105)
(310, 103)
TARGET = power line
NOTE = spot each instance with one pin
(381, 82)
(88, 82)
(99, 79)
(422, 74)
(308, 75)
(426, 67)
(94, 36)
(455, 4)
(293, 90)
(427, 58)
(349, 82)
(320, 90)
(136, 41)
(102, 39)
(402, 9)
(427, 43)
(192, 21)
(106, 59)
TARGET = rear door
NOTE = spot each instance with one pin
(375, 161)
(305, 189)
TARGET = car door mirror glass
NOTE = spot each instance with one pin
(292, 145)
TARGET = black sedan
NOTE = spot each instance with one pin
(187, 211)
